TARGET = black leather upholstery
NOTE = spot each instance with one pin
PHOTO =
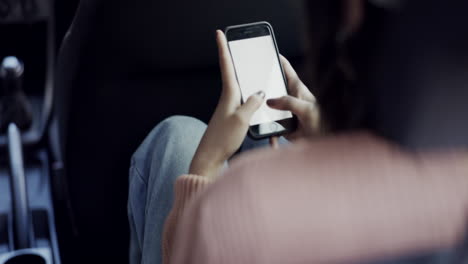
(123, 67)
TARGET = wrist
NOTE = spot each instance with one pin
(205, 166)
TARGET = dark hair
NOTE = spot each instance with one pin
(336, 62)
(401, 75)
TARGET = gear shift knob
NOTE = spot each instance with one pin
(11, 73)
(14, 106)
(11, 65)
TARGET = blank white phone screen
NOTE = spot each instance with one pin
(258, 69)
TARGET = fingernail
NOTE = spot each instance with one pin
(261, 94)
(270, 102)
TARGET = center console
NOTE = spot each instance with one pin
(27, 163)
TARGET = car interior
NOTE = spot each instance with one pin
(99, 75)
(93, 77)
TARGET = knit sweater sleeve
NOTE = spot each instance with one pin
(185, 188)
(337, 200)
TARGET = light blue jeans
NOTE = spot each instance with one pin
(164, 155)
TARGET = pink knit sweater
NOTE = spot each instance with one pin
(333, 200)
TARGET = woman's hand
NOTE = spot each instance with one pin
(229, 124)
(300, 102)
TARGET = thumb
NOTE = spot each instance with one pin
(251, 105)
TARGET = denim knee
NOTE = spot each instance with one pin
(178, 127)
(181, 133)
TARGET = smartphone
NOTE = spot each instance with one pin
(256, 60)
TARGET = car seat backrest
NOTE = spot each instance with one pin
(124, 66)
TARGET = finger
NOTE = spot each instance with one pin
(293, 136)
(289, 71)
(295, 85)
(274, 142)
(251, 105)
(291, 76)
(225, 62)
(288, 103)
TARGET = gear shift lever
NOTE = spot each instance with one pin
(14, 106)
(21, 215)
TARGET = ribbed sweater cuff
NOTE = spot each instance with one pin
(186, 186)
